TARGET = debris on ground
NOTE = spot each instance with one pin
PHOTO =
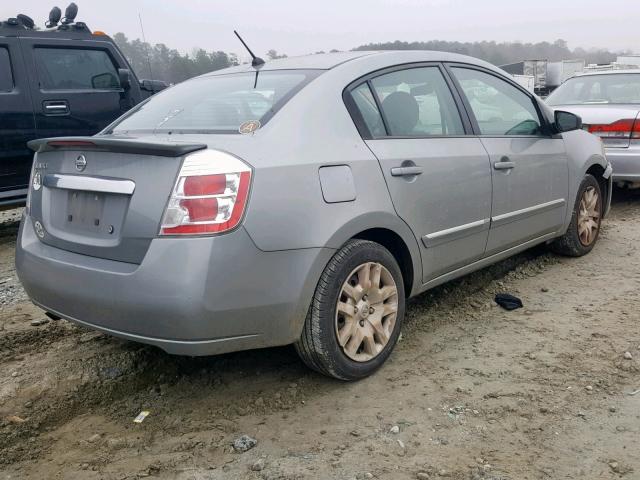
(258, 465)
(15, 419)
(39, 322)
(244, 443)
(508, 301)
(141, 416)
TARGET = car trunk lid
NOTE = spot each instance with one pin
(103, 196)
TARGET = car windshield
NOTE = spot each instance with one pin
(217, 103)
(615, 88)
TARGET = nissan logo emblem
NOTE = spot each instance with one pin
(81, 163)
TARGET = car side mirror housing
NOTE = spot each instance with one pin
(124, 75)
(153, 86)
(567, 121)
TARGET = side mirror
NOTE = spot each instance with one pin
(124, 75)
(567, 121)
(153, 86)
(105, 81)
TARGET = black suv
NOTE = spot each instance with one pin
(62, 81)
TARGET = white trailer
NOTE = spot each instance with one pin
(560, 72)
(629, 60)
(535, 68)
(526, 81)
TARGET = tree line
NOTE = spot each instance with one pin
(505, 52)
(160, 62)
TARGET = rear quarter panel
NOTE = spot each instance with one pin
(287, 209)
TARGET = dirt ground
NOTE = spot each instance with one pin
(471, 391)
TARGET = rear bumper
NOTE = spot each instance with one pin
(625, 162)
(189, 296)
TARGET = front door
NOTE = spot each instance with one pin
(16, 122)
(439, 178)
(529, 166)
(76, 88)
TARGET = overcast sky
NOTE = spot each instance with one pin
(297, 26)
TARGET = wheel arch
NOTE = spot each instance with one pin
(598, 171)
(392, 233)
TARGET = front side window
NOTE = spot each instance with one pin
(76, 69)
(216, 103)
(417, 102)
(616, 88)
(499, 107)
(6, 77)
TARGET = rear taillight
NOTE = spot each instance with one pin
(622, 129)
(210, 195)
(31, 186)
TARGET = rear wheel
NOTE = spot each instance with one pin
(356, 313)
(583, 232)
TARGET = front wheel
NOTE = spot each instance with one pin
(356, 312)
(583, 232)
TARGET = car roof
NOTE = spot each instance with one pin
(319, 61)
(44, 35)
(327, 61)
(608, 72)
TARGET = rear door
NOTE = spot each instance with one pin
(439, 178)
(75, 84)
(529, 166)
(16, 122)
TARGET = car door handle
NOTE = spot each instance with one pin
(504, 164)
(55, 107)
(405, 171)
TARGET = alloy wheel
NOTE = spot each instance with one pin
(366, 312)
(589, 216)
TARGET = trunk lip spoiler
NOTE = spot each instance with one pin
(116, 145)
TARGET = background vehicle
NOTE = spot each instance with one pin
(609, 104)
(62, 81)
(343, 199)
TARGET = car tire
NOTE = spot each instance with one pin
(353, 323)
(586, 219)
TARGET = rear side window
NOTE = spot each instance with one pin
(6, 76)
(217, 103)
(76, 69)
(367, 107)
(417, 102)
(499, 107)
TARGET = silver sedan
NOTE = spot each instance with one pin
(303, 201)
(609, 104)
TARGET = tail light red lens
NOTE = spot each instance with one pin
(205, 185)
(622, 129)
(210, 195)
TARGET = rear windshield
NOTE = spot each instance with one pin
(216, 104)
(621, 88)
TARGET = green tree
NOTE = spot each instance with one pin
(273, 55)
(160, 62)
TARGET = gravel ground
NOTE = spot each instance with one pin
(471, 392)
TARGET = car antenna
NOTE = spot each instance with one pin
(144, 39)
(256, 62)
